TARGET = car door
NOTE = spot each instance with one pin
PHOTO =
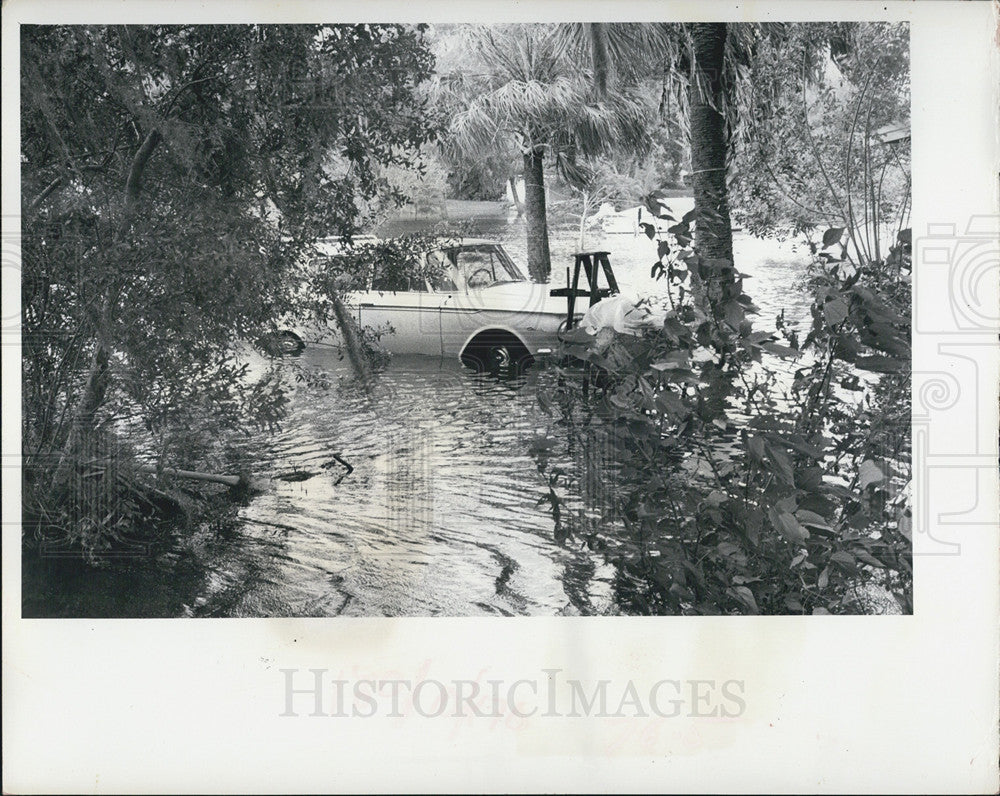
(407, 307)
(458, 317)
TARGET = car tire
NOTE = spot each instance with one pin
(283, 344)
(505, 357)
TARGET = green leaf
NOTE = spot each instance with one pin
(780, 350)
(668, 403)
(673, 361)
(787, 504)
(812, 519)
(832, 236)
(810, 479)
(787, 526)
(727, 548)
(869, 473)
(868, 558)
(782, 465)
(906, 527)
(835, 311)
(716, 498)
(734, 313)
(880, 364)
(745, 596)
(824, 578)
(792, 604)
(656, 206)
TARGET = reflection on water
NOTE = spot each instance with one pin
(444, 512)
(440, 515)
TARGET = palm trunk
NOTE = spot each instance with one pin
(539, 264)
(518, 204)
(709, 142)
(600, 58)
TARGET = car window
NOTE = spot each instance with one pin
(393, 280)
(471, 266)
(441, 272)
(349, 276)
(478, 268)
(485, 265)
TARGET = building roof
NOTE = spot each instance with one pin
(893, 132)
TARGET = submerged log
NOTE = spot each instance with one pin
(241, 482)
(229, 480)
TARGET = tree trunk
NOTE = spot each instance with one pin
(352, 339)
(539, 264)
(600, 58)
(81, 430)
(518, 204)
(714, 234)
(81, 433)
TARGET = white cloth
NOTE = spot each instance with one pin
(625, 314)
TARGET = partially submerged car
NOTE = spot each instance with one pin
(467, 299)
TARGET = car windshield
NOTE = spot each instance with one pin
(471, 266)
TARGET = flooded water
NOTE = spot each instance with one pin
(444, 512)
(439, 515)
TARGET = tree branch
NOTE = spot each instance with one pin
(43, 195)
(133, 184)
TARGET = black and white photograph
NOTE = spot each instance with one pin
(466, 319)
(518, 369)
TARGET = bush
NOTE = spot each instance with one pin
(735, 499)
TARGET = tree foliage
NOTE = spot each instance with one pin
(172, 177)
(734, 496)
(525, 90)
(810, 155)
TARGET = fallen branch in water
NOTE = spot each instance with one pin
(347, 465)
(240, 483)
(228, 480)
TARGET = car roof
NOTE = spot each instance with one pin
(335, 245)
(463, 243)
(472, 242)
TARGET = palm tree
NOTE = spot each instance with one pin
(536, 95)
(699, 65)
(709, 138)
(707, 68)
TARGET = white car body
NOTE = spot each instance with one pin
(482, 309)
